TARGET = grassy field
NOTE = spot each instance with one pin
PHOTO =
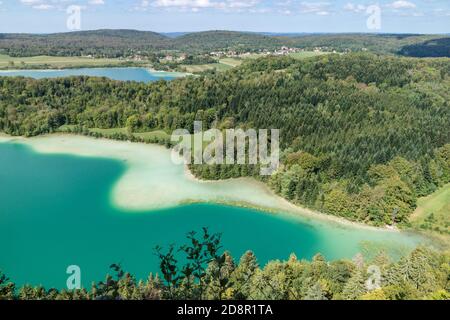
(7, 62)
(295, 55)
(197, 68)
(225, 64)
(147, 136)
(433, 212)
(108, 132)
(306, 54)
(233, 62)
(55, 62)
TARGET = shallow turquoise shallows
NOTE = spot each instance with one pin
(56, 211)
(122, 74)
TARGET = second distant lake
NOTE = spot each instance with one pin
(122, 74)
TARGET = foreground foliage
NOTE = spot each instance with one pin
(209, 274)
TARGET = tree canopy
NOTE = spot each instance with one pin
(363, 136)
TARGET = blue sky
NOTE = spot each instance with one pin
(397, 16)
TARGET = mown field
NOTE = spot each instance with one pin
(433, 212)
(51, 62)
(306, 54)
(225, 64)
(108, 133)
(7, 62)
(198, 68)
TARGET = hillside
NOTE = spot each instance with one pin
(117, 43)
(378, 43)
(220, 40)
(114, 43)
(110, 43)
(431, 48)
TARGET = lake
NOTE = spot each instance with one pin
(122, 74)
(58, 210)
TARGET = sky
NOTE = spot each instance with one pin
(282, 16)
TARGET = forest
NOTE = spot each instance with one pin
(125, 43)
(363, 136)
(430, 48)
(396, 44)
(201, 270)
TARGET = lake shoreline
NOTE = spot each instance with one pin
(102, 71)
(296, 209)
(48, 144)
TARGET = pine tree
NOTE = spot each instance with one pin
(355, 286)
(315, 293)
(242, 275)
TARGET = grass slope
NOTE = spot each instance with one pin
(433, 212)
(7, 62)
(108, 133)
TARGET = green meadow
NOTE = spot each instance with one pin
(228, 63)
(433, 212)
(7, 62)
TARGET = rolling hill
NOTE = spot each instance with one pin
(118, 43)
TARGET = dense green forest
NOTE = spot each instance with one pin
(221, 40)
(402, 44)
(117, 43)
(98, 43)
(363, 136)
(120, 43)
(430, 48)
(200, 270)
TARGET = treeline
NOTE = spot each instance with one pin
(97, 43)
(387, 197)
(200, 271)
(431, 48)
(128, 136)
(341, 118)
(45, 66)
(124, 43)
(377, 43)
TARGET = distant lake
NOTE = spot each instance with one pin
(121, 74)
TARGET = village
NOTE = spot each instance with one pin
(221, 60)
(283, 51)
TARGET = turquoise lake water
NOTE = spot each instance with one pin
(122, 74)
(56, 211)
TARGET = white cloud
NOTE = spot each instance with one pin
(319, 8)
(58, 4)
(97, 2)
(402, 4)
(357, 8)
(186, 3)
(43, 7)
(286, 12)
(241, 4)
(440, 12)
(197, 5)
(30, 2)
